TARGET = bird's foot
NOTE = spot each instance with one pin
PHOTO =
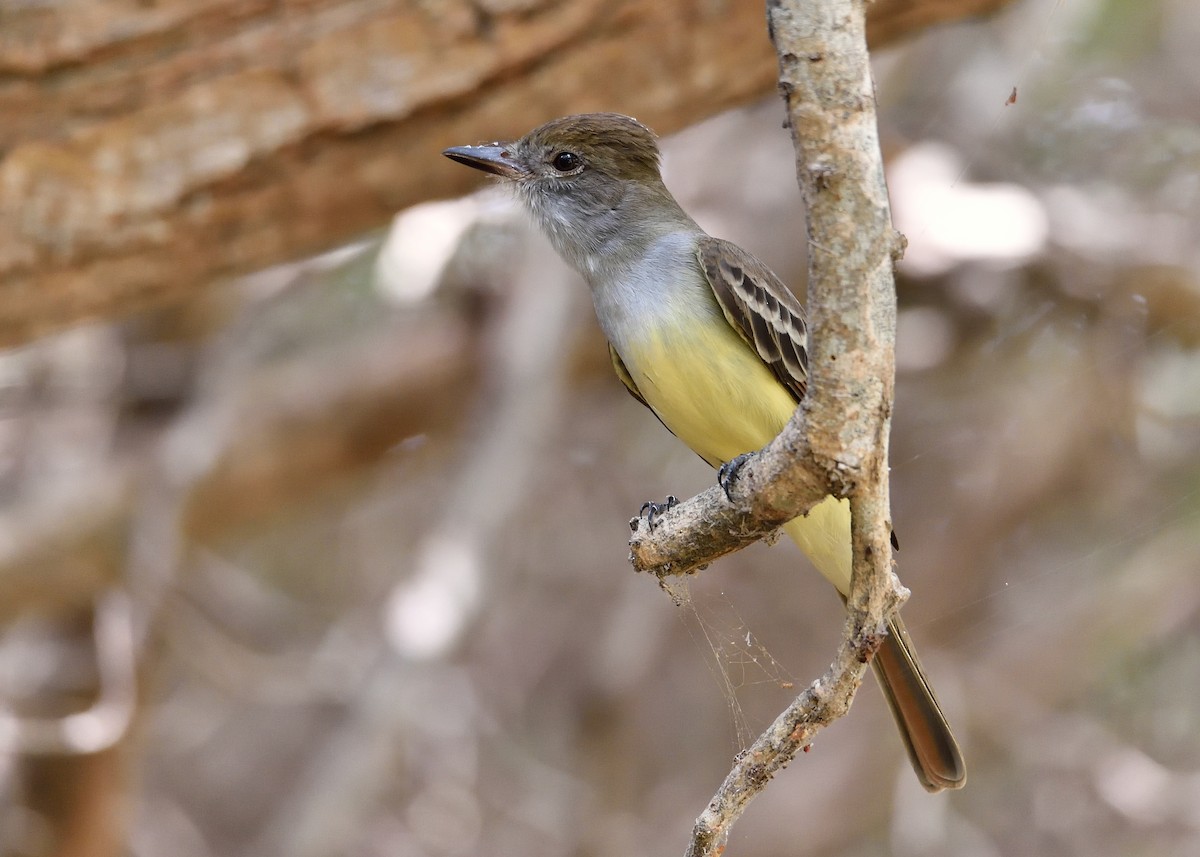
(651, 510)
(729, 471)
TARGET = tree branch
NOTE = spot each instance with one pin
(825, 77)
(776, 485)
(148, 149)
(821, 703)
(837, 441)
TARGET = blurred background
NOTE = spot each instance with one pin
(330, 558)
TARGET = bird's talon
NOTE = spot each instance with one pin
(729, 471)
(651, 510)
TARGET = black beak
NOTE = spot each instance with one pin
(496, 158)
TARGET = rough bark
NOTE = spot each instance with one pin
(837, 443)
(149, 149)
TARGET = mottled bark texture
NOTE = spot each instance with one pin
(149, 149)
(838, 440)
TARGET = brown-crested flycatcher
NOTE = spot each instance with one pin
(704, 335)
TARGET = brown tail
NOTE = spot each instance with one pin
(931, 746)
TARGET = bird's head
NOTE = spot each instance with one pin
(584, 163)
(572, 152)
(591, 180)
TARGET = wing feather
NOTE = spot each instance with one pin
(760, 308)
(626, 378)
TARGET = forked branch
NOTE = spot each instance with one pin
(838, 439)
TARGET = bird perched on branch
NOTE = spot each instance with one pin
(705, 336)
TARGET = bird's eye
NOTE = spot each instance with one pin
(565, 162)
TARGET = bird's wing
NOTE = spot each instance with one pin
(760, 308)
(626, 378)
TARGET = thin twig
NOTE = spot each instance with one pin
(821, 703)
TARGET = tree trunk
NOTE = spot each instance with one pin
(149, 149)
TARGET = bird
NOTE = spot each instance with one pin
(704, 335)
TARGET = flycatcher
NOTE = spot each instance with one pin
(705, 336)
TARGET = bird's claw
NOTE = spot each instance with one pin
(729, 471)
(651, 510)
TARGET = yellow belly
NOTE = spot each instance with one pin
(711, 390)
(714, 392)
